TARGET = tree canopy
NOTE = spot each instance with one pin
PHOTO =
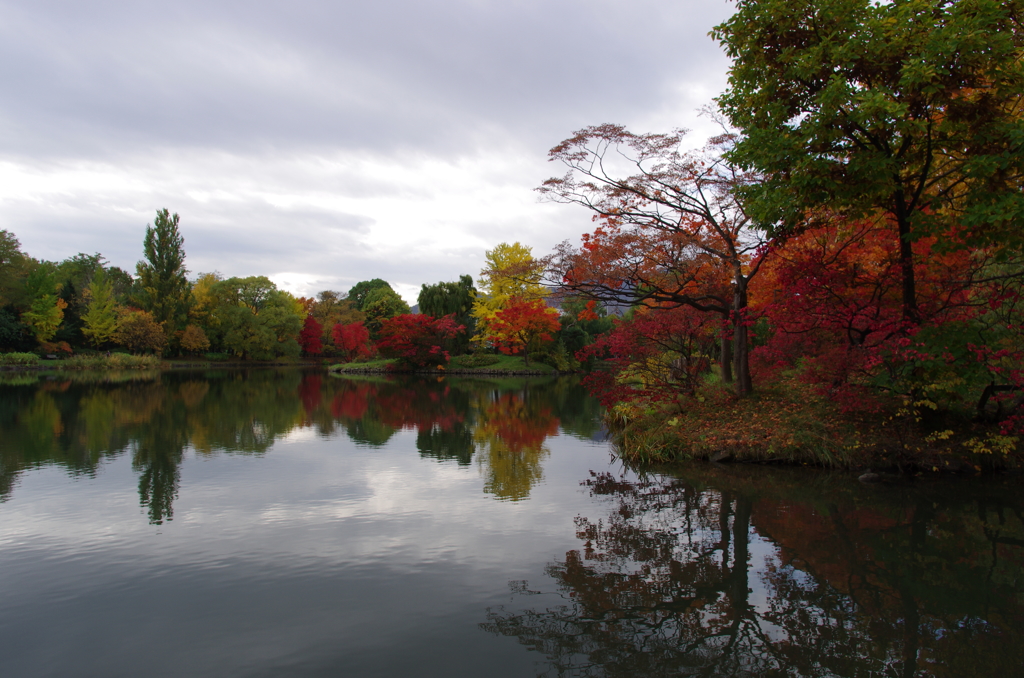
(907, 110)
(360, 290)
(451, 298)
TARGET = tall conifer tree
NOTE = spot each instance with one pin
(164, 289)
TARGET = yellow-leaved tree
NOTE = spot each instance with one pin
(512, 275)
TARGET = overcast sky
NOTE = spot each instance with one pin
(322, 143)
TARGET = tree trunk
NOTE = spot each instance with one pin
(725, 357)
(741, 347)
(911, 314)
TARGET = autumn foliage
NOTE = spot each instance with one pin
(309, 337)
(660, 354)
(352, 340)
(417, 340)
(523, 325)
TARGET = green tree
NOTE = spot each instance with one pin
(446, 298)
(121, 282)
(14, 335)
(13, 268)
(380, 304)
(99, 323)
(162, 286)
(45, 310)
(74, 276)
(907, 110)
(361, 290)
(255, 319)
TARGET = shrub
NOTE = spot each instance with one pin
(477, 360)
(18, 359)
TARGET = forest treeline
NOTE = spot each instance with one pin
(83, 306)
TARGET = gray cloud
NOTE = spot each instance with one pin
(114, 109)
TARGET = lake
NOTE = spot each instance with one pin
(287, 522)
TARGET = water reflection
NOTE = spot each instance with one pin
(512, 431)
(77, 422)
(775, 573)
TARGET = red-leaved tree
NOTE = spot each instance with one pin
(352, 340)
(309, 337)
(417, 340)
(664, 353)
(832, 301)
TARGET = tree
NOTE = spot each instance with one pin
(360, 290)
(73, 276)
(309, 337)
(447, 298)
(203, 309)
(417, 340)
(658, 354)
(121, 283)
(45, 310)
(351, 340)
(329, 309)
(13, 267)
(164, 289)
(194, 339)
(14, 335)
(830, 299)
(380, 304)
(99, 322)
(522, 326)
(906, 111)
(138, 331)
(672, 233)
(511, 273)
(256, 320)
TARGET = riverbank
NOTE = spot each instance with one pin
(125, 361)
(466, 364)
(788, 423)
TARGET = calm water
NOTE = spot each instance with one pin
(290, 523)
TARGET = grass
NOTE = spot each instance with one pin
(470, 364)
(115, 361)
(504, 363)
(367, 366)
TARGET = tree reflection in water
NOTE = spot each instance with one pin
(78, 421)
(512, 429)
(767, 574)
